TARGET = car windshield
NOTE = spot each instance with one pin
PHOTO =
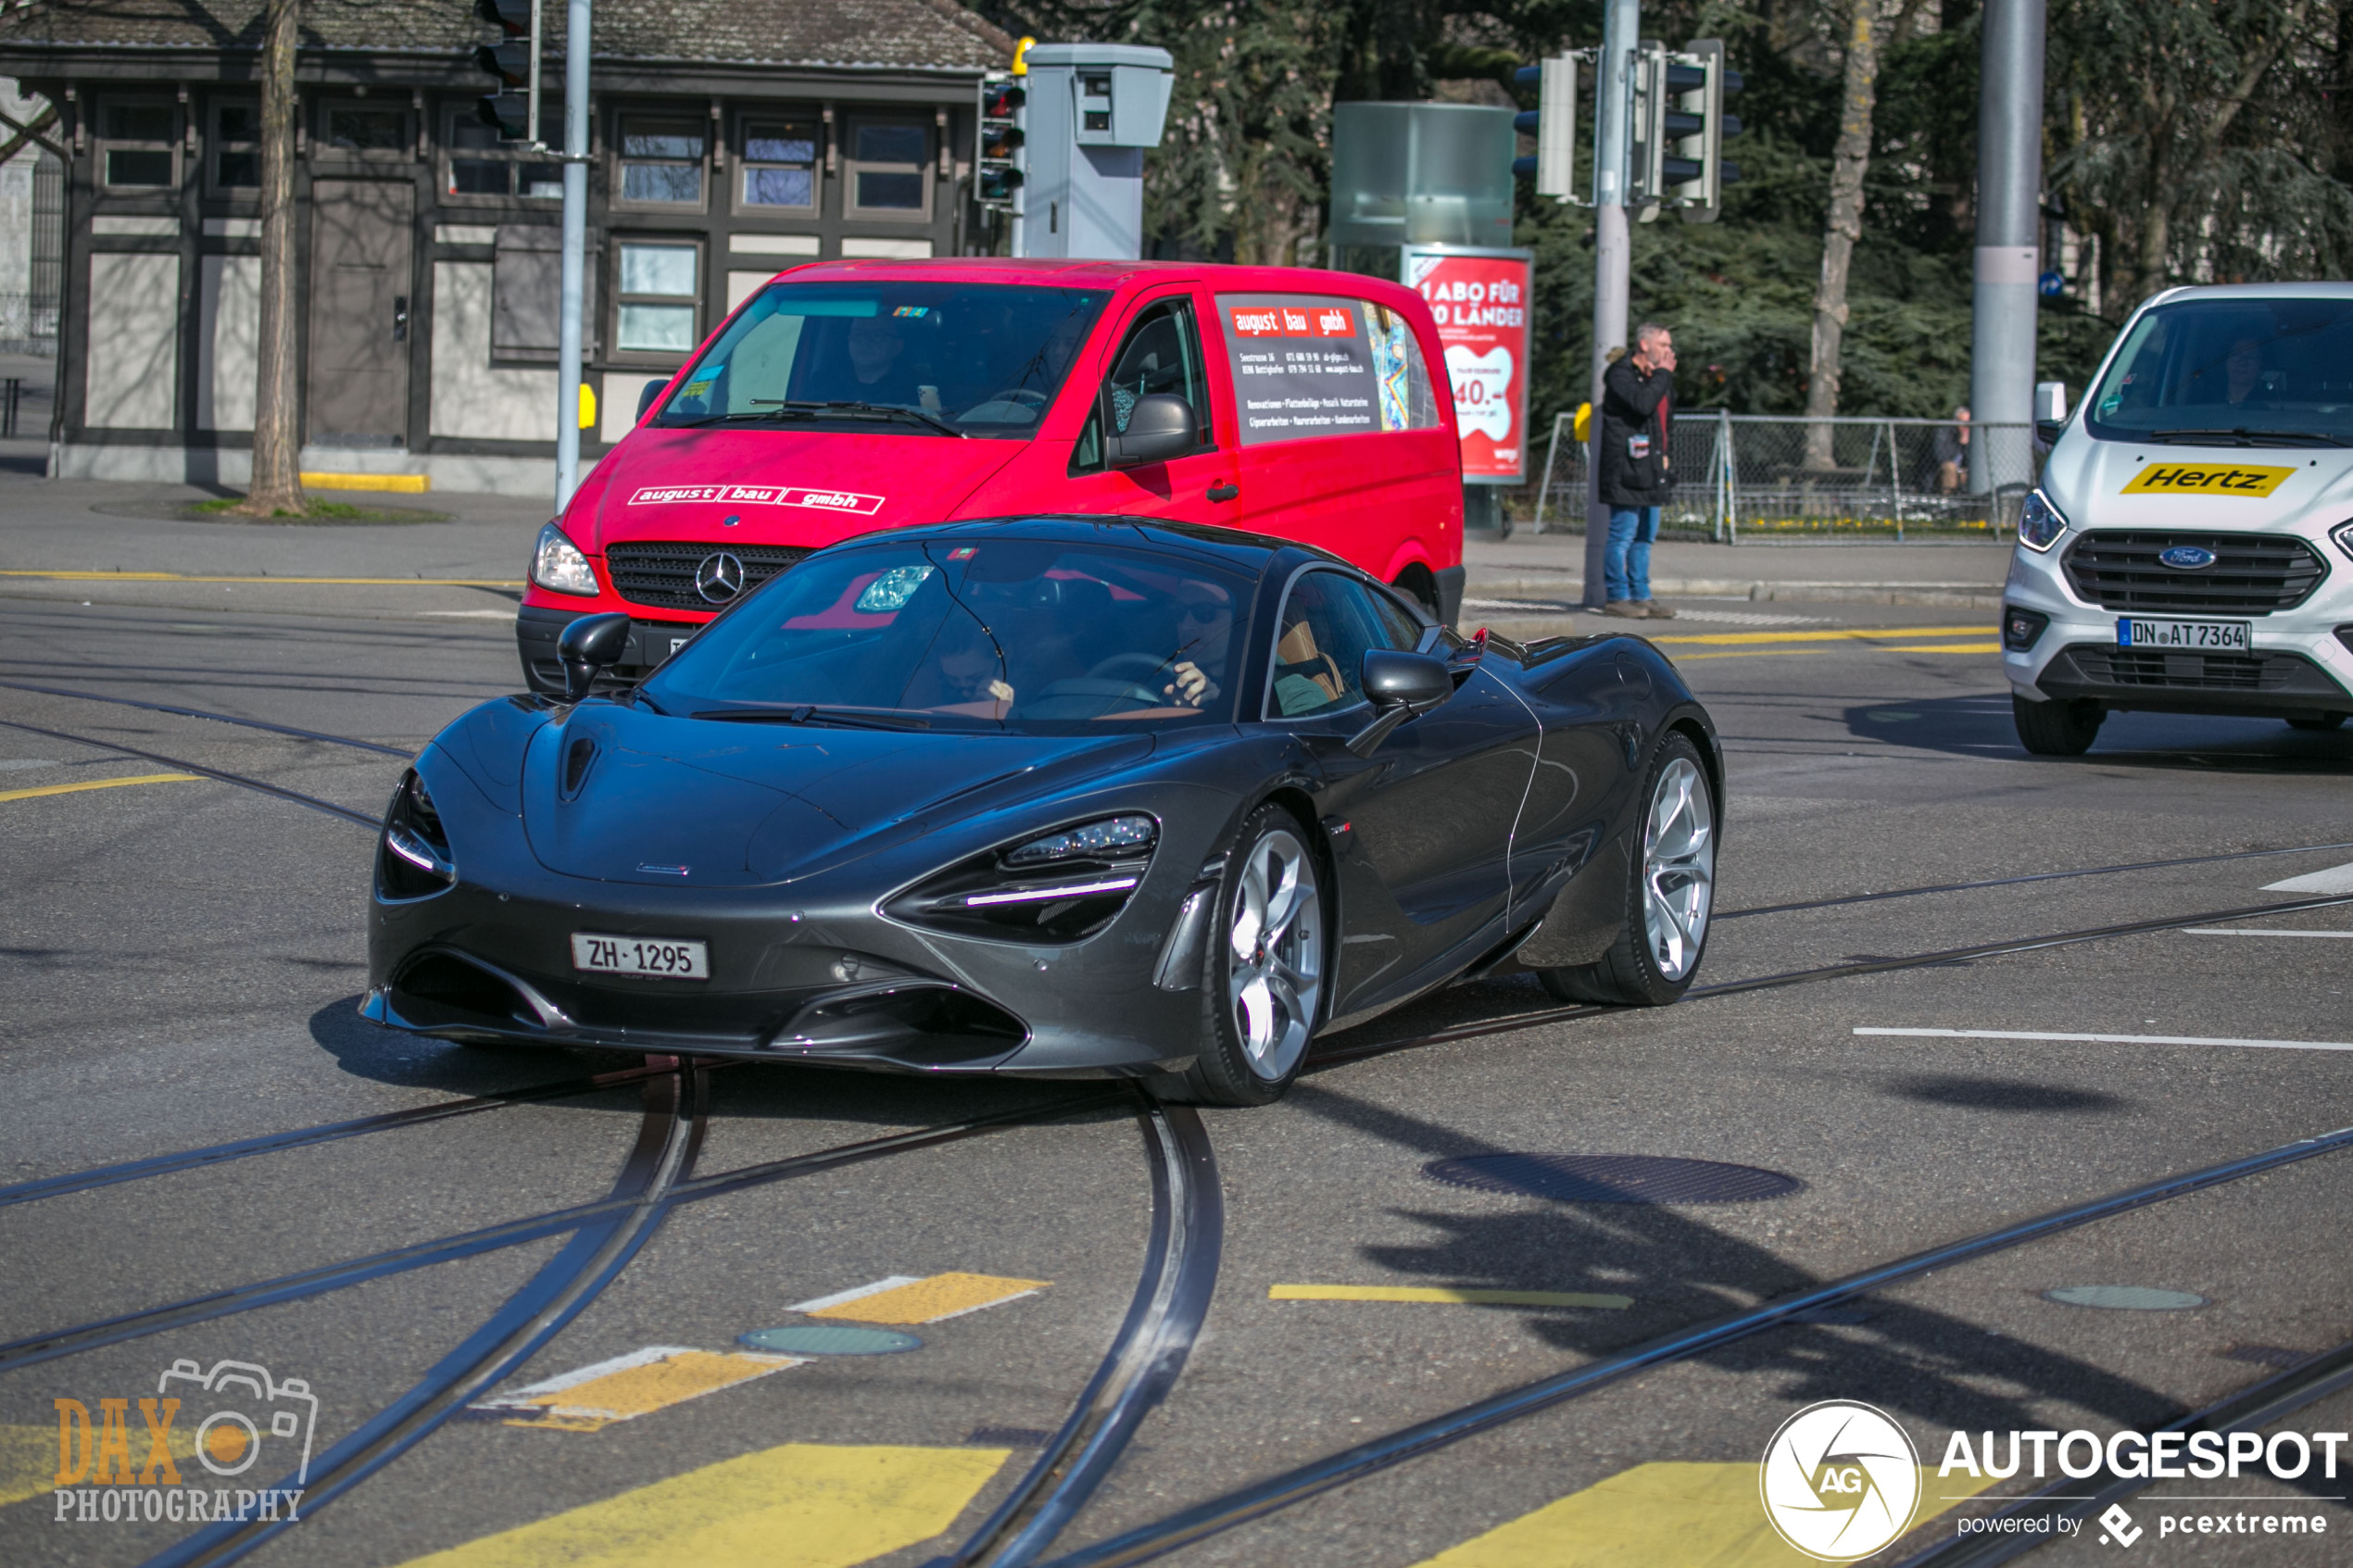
(1035, 635)
(2232, 373)
(941, 358)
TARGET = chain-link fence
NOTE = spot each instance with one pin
(1772, 476)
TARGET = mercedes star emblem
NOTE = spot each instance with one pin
(719, 578)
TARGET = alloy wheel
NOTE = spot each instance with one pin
(1275, 955)
(1679, 868)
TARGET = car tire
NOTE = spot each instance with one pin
(1262, 999)
(2325, 722)
(1669, 892)
(2057, 728)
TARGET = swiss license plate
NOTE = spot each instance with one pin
(2226, 636)
(654, 958)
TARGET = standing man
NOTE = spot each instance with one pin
(1638, 397)
(1951, 449)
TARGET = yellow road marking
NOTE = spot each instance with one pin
(627, 1387)
(95, 783)
(1475, 1297)
(1745, 653)
(183, 577)
(1848, 633)
(922, 1300)
(29, 1455)
(1657, 1513)
(804, 1505)
(1946, 647)
(407, 484)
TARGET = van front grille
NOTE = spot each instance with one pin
(2188, 671)
(661, 573)
(2252, 574)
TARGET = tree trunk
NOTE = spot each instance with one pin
(1848, 160)
(277, 424)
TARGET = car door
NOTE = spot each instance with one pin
(1421, 829)
(1159, 352)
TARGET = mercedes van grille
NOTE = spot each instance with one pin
(661, 573)
(2252, 574)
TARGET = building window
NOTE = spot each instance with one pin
(360, 128)
(661, 161)
(480, 164)
(135, 148)
(236, 146)
(780, 164)
(888, 172)
(660, 298)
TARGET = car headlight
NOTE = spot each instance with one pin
(2039, 522)
(1059, 886)
(2343, 535)
(1113, 837)
(413, 860)
(557, 565)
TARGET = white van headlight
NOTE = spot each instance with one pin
(2343, 535)
(556, 564)
(2039, 522)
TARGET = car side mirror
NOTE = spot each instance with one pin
(1400, 686)
(1160, 426)
(2048, 430)
(589, 644)
(647, 395)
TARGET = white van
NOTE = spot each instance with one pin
(2190, 547)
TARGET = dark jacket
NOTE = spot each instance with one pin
(1636, 409)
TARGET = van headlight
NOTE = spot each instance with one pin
(2039, 522)
(2343, 535)
(558, 566)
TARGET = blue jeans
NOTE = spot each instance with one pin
(1625, 564)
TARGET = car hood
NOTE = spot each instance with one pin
(620, 795)
(2110, 485)
(784, 486)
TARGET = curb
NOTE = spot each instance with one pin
(1974, 595)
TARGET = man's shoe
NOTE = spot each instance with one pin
(1627, 608)
(1655, 611)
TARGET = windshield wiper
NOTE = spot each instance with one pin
(870, 410)
(2241, 436)
(751, 417)
(844, 718)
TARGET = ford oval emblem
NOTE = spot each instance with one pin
(2187, 558)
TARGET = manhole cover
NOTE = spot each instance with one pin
(1613, 1178)
(2124, 1298)
(825, 1339)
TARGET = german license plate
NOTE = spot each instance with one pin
(654, 958)
(2224, 636)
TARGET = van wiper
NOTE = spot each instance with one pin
(2241, 436)
(870, 410)
(843, 718)
(759, 416)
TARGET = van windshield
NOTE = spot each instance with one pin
(973, 633)
(2232, 373)
(969, 359)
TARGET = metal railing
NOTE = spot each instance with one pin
(1779, 476)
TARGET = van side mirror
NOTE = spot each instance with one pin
(1160, 426)
(2047, 431)
(1401, 686)
(647, 395)
(589, 644)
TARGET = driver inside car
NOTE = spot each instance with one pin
(970, 669)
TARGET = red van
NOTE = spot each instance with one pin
(854, 396)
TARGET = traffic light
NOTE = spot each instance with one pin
(999, 170)
(1554, 124)
(1680, 126)
(513, 110)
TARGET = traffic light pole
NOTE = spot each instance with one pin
(569, 334)
(1612, 89)
(2009, 180)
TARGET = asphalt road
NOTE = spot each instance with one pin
(181, 961)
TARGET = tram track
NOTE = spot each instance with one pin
(214, 718)
(260, 787)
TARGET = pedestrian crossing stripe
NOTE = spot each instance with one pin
(1471, 1297)
(905, 1299)
(625, 1387)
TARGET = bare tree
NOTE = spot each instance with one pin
(277, 424)
(1849, 160)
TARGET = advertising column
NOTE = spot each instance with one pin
(1480, 297)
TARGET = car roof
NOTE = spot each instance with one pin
(1115, 275)
(1248, 553)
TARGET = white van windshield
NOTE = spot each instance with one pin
(948, 358)
(2232, 373)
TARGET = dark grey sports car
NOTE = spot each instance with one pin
(1066, 796)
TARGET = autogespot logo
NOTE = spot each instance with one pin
(1840, 1480)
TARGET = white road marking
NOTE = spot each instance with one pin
(466, 614)
(2113, 1040)
(2337, 879)
(2234, 931)
(889, 1282)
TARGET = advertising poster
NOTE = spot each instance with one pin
(1480, 300)
(1311, 365)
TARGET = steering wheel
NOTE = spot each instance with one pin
(1088, 698)
(1028, 396)
(1147, 664)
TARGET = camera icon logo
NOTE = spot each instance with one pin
(247, 1406)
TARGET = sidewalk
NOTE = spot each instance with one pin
(1553, 565)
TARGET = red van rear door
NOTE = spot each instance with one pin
(1158, 350)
